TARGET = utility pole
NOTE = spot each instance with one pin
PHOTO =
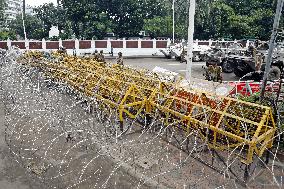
(24, 18)
(191, 16)
(24, 9)
(271, 46)
(173, 7)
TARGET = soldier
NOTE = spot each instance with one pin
(101, 57)
(182, 56)
(95, 54)
(258, 61)
(119, 59)
(214, 73)
(111, 51)
(62, 50)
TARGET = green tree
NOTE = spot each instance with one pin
(5, 34)
(160, 26)
(128, 16)
(220, 19)
(2, 15)
(78, 12)
(50, 15)
(33, 26)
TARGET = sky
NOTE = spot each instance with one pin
(39, 2)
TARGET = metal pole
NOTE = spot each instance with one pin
(190, 39)
(24, 9)
(24, 18)
(271, 46)
(173, 7)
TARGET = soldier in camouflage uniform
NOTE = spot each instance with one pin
(214, 73)
(101, 57)
(119, 59)
(95, 54)
(182, 56)
(62, 50)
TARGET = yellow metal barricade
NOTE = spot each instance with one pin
(222, 123)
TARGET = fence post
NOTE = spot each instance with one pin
(124, 44)
(139, 43)
(196, 41)
(168, 42)
(9, 44)
(108, 44)
(93, 44)
(43, 43)
(60, 42)
(154, 43)
(27, 44)
(210, 42)
(77, 46)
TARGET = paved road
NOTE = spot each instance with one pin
(173, 65)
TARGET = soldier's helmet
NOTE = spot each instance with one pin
(120, 54)
(101, 51)
(96, 51)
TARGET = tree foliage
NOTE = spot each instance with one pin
(33, 27)
(2, 7)
(49, 16)
(87, 19)
(234, 19)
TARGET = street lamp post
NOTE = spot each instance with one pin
(173, 7)
(190, 39)
(24, 18)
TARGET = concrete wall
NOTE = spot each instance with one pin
(127, 47)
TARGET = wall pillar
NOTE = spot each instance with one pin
(43, 42)
(169, 42)
(93, 45)
(27, 44)
(139, 43)
(60, 43)
(210, 42)
(124, 43)
(9, 43)
(154, 43)
(77, 47)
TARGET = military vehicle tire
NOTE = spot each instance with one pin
(274, 73)
(242, 69)
(227, 66)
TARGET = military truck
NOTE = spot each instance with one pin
(254, 61)
(219, 56)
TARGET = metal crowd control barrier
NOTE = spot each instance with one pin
(224, 124)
